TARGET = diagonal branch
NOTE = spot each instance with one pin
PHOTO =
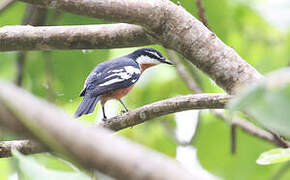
(72, 37)
(49, 125)
(175, 28)
(182, 72)
(201, 13)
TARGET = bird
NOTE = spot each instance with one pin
(113, 79)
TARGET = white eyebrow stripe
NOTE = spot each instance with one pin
(154, 53)
(146, 60)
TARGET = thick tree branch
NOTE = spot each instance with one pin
(72, 37)
(48, 124)
(174, 28)
(160, 108)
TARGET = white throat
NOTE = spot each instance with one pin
(146, 60)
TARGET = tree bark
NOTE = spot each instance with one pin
(175, 28)
(172, 105)
(14, 38)
(23, 146)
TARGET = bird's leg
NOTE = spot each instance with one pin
(123, 106)
(104, 115)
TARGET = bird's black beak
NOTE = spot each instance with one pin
(166, 61)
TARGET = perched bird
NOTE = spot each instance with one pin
(114, 79)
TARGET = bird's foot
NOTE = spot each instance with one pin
(104, 119)
(124, 111)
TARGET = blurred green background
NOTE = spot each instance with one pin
(59, 76)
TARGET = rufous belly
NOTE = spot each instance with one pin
(115, 94)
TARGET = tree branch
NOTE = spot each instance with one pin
(23, 146)
(174, 28)
(150, 111)
(160, 108)
(34, 16)
(250, 128)
(48, 124)
(246, 126)
(14, 38)
(201, 13)
(21, 56)
(182, 72)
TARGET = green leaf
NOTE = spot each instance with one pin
(274, 156)
(268, 102)
(32, 170)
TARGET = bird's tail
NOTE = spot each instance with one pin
(87, 106)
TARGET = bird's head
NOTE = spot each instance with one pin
(149, 56)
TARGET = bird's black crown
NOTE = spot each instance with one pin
(149, 52)
(153, 53)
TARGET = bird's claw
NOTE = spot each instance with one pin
(124, 111)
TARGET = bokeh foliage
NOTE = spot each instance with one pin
(236, 23)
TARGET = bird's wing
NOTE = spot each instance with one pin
(112, 78)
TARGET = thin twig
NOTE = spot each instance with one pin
(21, 56)
(169, 130)
(182, 72)
(201, 13)
(250, 128)
(233, 138)
(20, 67)
(193, 71)
(202, 16)
(33, 16)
